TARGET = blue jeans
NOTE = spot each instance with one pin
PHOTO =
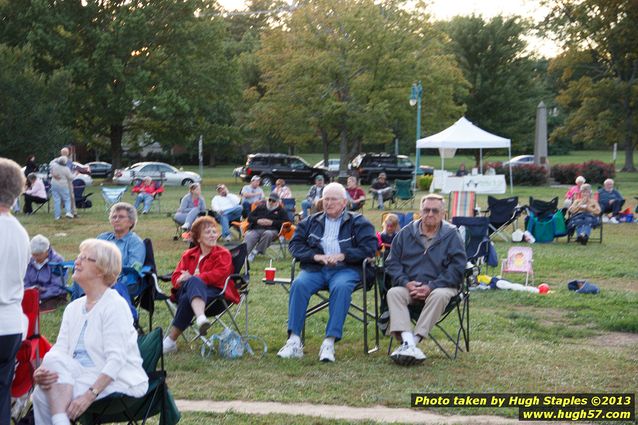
(146, 198)
(194, 288)
(339, 281)
(227, 216)
(305, 206)
(60, 195)
(583, 223)
(187, 218)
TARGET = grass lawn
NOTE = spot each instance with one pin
(562, 342)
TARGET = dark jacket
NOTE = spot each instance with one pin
(278, 217)
(442, 266)
(357, 240)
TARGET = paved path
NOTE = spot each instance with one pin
(374, 413)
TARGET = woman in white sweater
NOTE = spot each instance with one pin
(14, 258)
(96, 353)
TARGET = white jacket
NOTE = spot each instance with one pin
(110, 338)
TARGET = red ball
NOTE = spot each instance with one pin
(543, 288)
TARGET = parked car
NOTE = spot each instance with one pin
(367, 166)
(333, 166)
(156, 170)
(273, 166)
(80, 172)
(100, 169)
(520, 160)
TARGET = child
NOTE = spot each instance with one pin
(390, 230)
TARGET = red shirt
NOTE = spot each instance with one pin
(356, 193)
(213, 269)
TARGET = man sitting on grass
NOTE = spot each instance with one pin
(610, 201)
(426, 264)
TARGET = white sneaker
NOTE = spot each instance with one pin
(292, 350)
(169, 346)
(605, 219)
(185, 226)
(613, 220)
(68, 215)
(252, 255)
(203, 324)
(407, 355)
(327, 352)
(228, 238)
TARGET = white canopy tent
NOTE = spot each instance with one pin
(465, 135)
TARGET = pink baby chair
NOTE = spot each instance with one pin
(519, 260)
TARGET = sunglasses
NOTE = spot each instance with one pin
(434, 211)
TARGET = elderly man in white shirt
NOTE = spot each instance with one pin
(226, 205)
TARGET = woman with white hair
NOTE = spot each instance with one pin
(61, 180)
(96, 353)
(583, 215)
(574, 192)
(41, 275)
(14, 257)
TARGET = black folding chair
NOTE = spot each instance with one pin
(502, 213)
(143, 291)
(47, 187)
(81, 200)
(357, 312)
(158, 400)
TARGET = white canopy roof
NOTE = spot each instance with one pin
(463, 135)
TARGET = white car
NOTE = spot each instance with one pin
(520, 160)
(156, 170)
(333, 166)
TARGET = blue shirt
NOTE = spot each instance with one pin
(131, 247)
(330, 239)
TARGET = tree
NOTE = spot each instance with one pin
(599, 70)
(341, 72)
(504, 85)
(144, 67)
(30, 107)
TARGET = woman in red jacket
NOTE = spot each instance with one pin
(200, 277)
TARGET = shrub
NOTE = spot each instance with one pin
(566, 173)
(528, 175)
(424, 182)
(595, 172)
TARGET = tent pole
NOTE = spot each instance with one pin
(481, 160)
(509, 152)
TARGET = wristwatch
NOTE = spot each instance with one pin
(94, 391)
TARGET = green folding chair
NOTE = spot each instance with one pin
(158, 400)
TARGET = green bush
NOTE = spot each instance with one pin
(424, 182)
(523, 175)
(595, 172)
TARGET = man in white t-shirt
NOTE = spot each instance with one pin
(226, 205)
(250, 194)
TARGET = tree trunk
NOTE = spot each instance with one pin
(343, 153)
(116, 135)
(629, 142)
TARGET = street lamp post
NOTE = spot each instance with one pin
(415, 99)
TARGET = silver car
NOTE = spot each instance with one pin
(156, 170)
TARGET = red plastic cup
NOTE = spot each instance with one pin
(270, 273)
(543, 288)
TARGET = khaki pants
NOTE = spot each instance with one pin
(434, 306)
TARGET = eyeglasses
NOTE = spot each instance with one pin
(82, 258)
(434, 211)
(118, 217)
(273, 201)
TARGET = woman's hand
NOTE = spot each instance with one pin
(79, 405)
(184, 276)
(45, 378)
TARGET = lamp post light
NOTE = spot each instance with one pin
(415, 99)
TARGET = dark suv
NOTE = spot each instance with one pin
(367, 166)
(273, 166)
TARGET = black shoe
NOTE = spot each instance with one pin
(585, 239)
(579, 239)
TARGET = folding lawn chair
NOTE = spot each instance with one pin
(519, 260)
(156, 194)
(158, 400)
(502, 213)
(29, 356)
(81, 200)
(358, 312)
(475, 233)
(142, 289)
(290, 205)
(47, 187)
(403, 193)
(462, 204)
(541, 219)
(405, 218)
(112, 195)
